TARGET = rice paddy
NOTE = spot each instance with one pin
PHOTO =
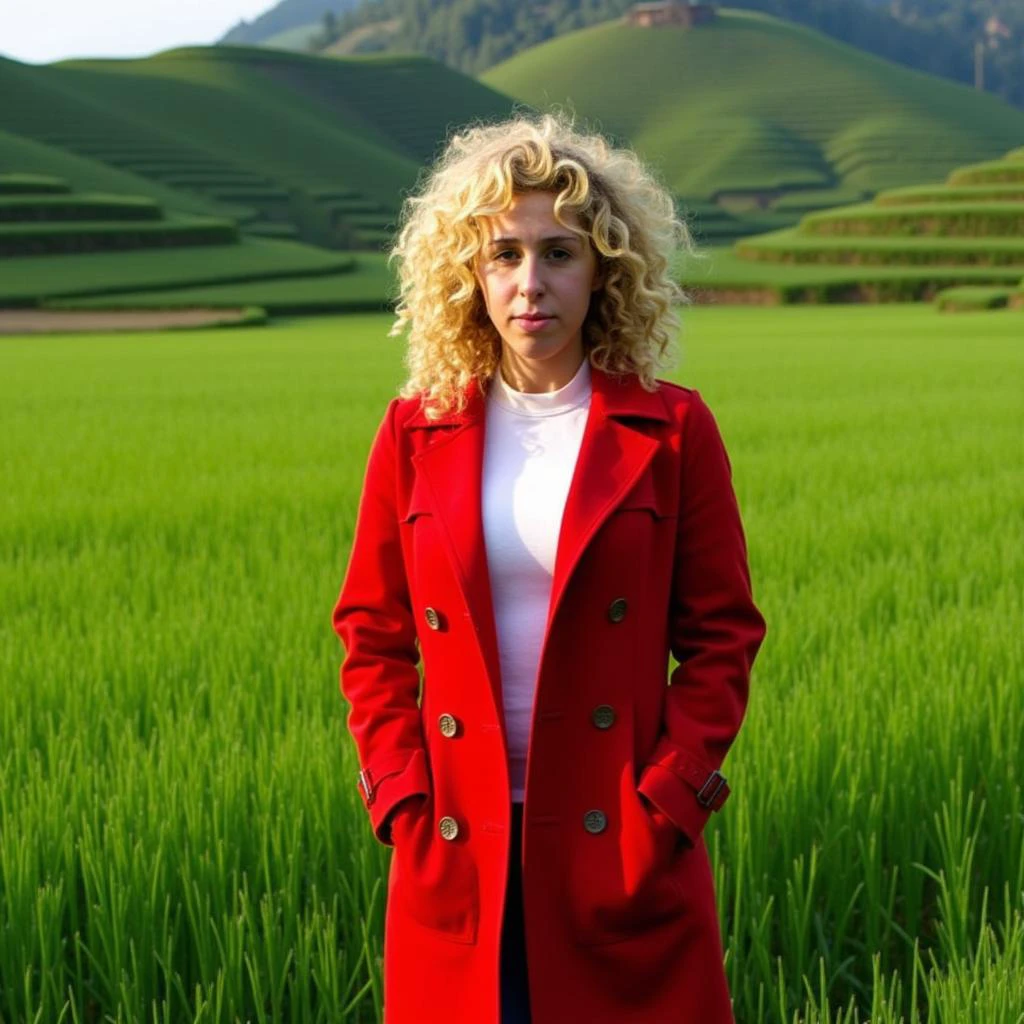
(181, 838)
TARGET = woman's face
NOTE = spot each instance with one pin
(531, 265)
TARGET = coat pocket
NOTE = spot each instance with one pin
(623, 880)
(435, 879)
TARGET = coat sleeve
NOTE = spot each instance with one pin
(373, 618)
(715, 633)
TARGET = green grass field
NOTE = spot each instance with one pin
(181, 838)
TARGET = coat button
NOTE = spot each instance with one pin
(594, 821)
(449, 827)
(603, 716)
(433, 619)
(447, 724)
(617, 609)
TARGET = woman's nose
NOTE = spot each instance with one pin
(531, 278)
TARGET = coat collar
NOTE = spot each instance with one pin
(610, 395)
(614, 454)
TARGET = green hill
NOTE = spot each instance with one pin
(320, 148)
(95, 250)
(712, 110)
(166, 158)
(933, 36)
(962, 242)
(20, 154)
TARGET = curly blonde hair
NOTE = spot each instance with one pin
(630, 219)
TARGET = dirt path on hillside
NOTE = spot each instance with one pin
(45, 321)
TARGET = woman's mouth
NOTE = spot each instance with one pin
(534, 323)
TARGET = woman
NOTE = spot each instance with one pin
(542, 522)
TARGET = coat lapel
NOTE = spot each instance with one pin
(613, 455)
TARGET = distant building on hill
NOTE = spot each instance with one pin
(995, 29)
(670, 12)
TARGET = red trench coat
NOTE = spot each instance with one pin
(651, 557)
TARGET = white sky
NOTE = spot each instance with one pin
(40, 31)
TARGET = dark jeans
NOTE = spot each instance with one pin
(515, 994)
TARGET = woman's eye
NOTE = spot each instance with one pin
(562, 254)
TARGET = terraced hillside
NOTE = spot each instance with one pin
(908, 243)
(759, 117)
(66, 249)
(19, 154)
(313, 148)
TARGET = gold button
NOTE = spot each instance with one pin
(594, 821)
(449, 827)
(447, 724)
(617, 609)
(603, 716)
(433, 619)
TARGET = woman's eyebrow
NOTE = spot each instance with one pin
(551, 238)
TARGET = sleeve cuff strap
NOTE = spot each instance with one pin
(391, 779)
(675, 799)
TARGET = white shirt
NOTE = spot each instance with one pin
(531, 442)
